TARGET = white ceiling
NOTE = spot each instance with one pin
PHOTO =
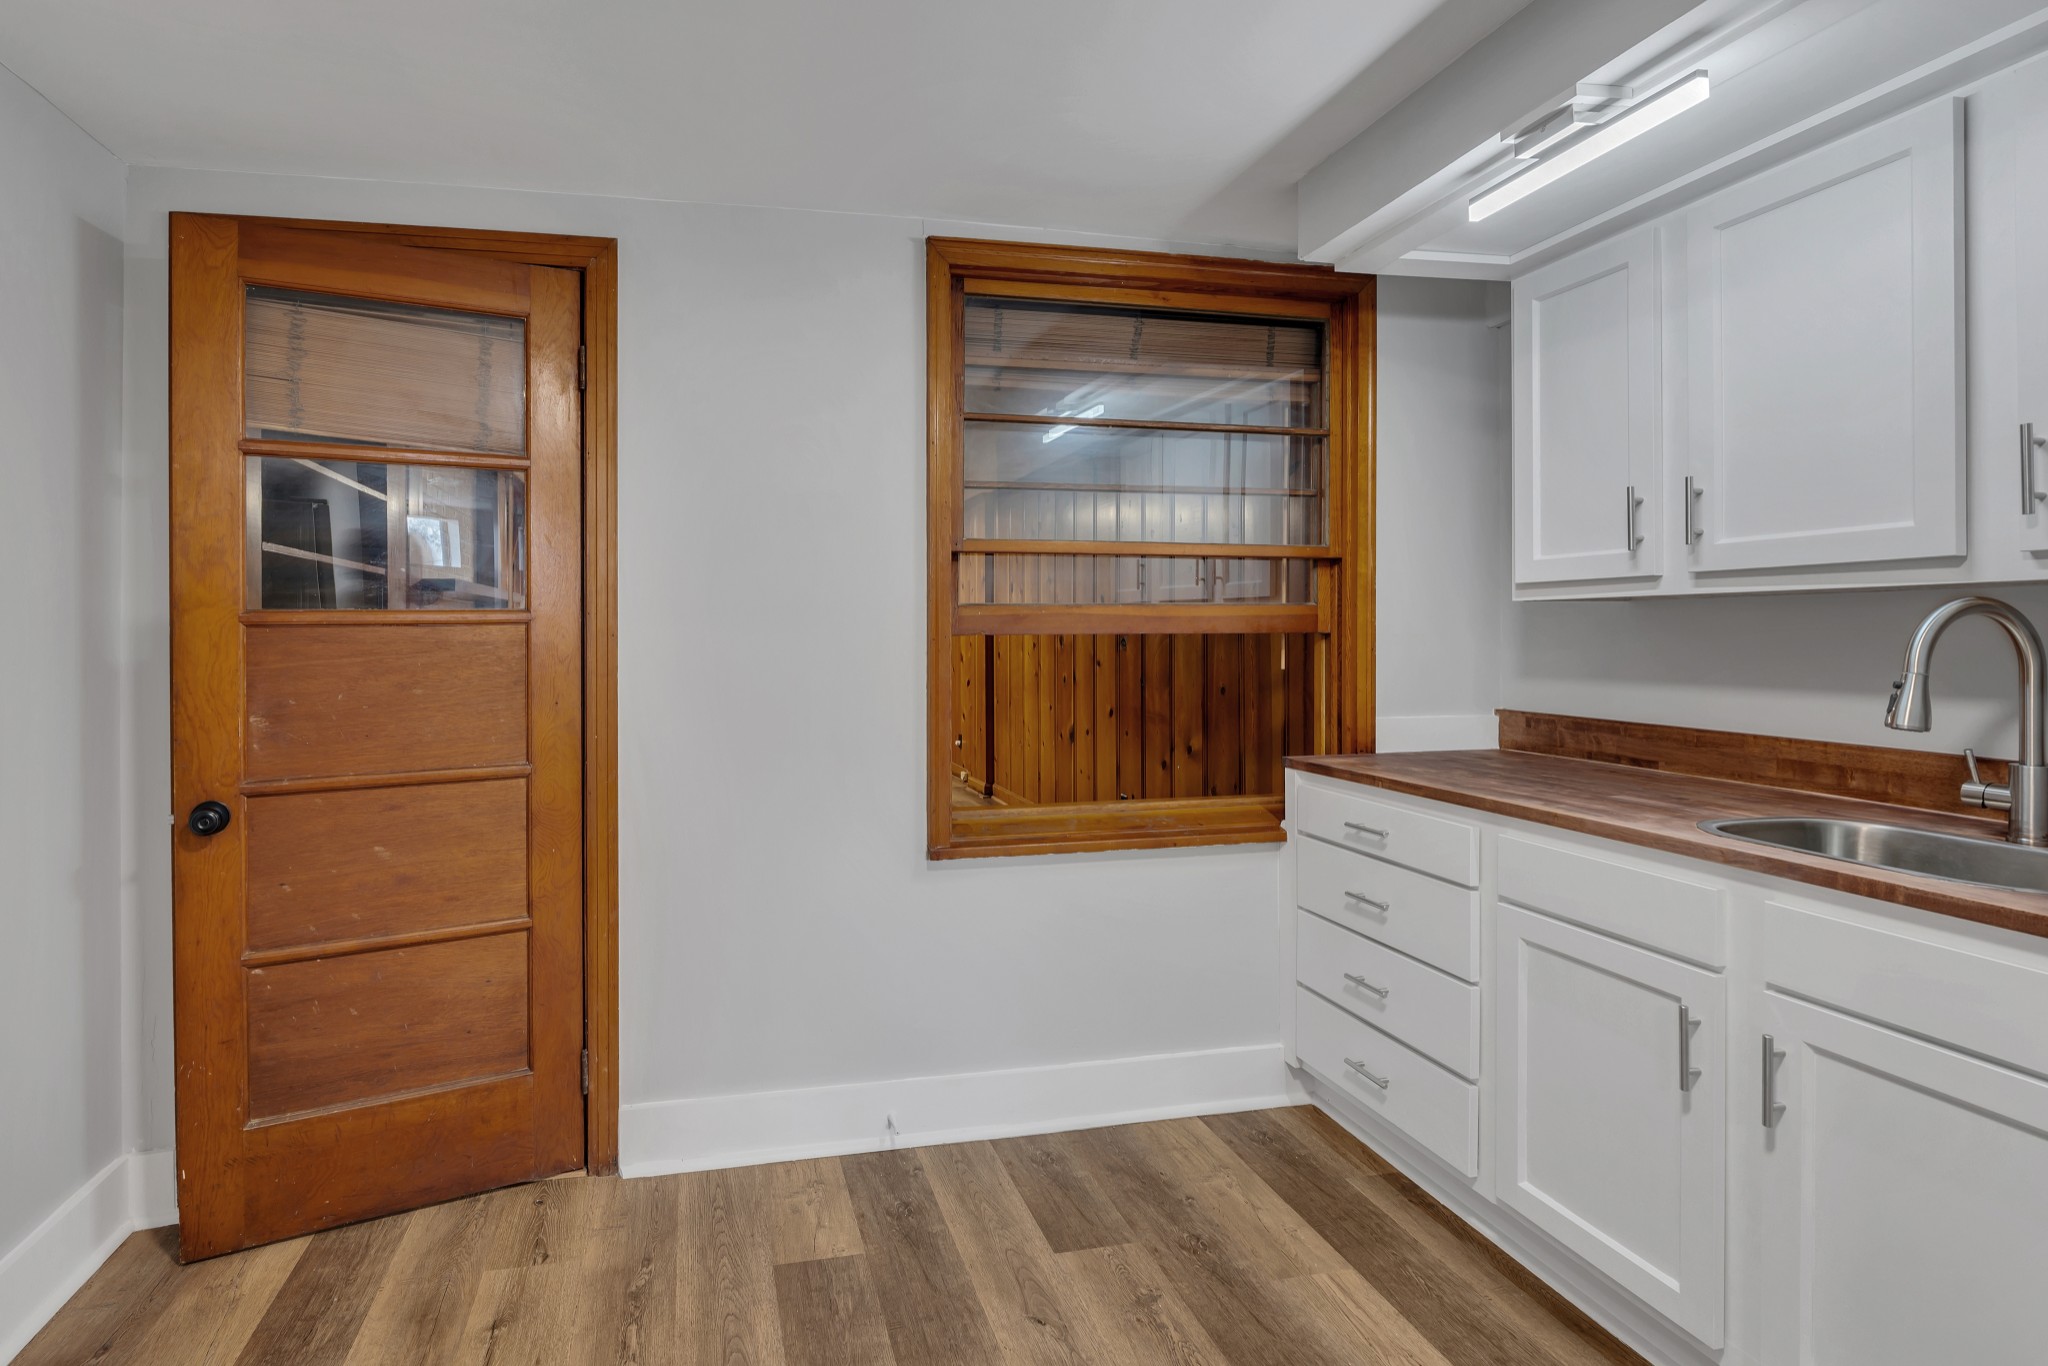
(1178, 119)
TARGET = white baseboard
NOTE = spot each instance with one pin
(46, 1268)
(827, 1121)
(1639, 1329)
(1408, 734)
(153, 1188)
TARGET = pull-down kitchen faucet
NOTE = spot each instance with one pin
(2025, 793)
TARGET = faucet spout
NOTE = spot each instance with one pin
(1912, 709)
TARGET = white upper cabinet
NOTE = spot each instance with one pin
(1825, 362)
(1587, 461)
(2027, 478)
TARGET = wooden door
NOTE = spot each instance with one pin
(376, 754)
(1612, 1127)
(1587, 390)
(1904, 1194)
(1825, 315)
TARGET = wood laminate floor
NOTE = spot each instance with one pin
(1266, 1239)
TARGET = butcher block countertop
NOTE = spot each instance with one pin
(1662, 810)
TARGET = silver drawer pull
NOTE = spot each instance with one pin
(1771, 1107)
(1359, 1067)
(1365, 830)
(1687, 1073)
(1363, 985)
(1380, 906)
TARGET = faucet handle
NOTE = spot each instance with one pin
(1977, 792)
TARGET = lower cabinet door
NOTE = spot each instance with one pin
(1905, 1209)
(1612, 1120)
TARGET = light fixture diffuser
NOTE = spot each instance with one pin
(1666, 104)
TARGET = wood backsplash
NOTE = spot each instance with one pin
(1906, 777)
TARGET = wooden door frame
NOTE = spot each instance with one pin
(597, 258)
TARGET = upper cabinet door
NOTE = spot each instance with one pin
(1826, 357)
(2027, 477)
(1586, 414)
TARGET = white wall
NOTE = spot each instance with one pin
(1443, 511)
(61, 974)
(780, 926)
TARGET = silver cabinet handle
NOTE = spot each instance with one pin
(1363, 985)
(2029, 495)
(1365, 830)
(1770, 1088)
(1687, 1073)
(1359, 1067)
(1632, 533)
(1380, 906)
(1693, 493)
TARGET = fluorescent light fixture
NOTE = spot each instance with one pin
(1666, 104)
(1061, 430)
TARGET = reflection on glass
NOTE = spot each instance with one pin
(1044, 720)
(350, 534)
(1135, 484)
(1103, 580)
(326, 367)
(1065, 360)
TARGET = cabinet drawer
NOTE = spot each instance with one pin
(1947, 994)
(1616, 896)
(1423, 1101)
(1425, 1009)
(1429, 844)
(1421, 916)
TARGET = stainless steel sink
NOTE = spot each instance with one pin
(1958, 858)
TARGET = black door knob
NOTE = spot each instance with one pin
(208, 818)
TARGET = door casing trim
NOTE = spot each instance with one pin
(597, 258)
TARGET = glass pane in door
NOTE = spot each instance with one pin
(326, 535)
(327, 367)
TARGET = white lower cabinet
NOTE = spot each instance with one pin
(1905, 1199)
(1594, 1092)
(1612, 1109)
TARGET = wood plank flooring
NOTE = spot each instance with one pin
(1266, 1239)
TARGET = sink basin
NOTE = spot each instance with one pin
(1957, 858)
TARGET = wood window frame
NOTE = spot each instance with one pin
(597, 259)
(956, 267)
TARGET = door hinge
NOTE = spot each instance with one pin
(586, 1071)
(582, 367)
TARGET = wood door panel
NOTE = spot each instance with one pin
(343, 263)
(332, 867)
(327, 700)
(356, 1163)
(341, 1031)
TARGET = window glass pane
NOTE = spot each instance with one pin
(1066, 360)
(1139, 484)
(325, 367)
(1102, 580)
(349, 534)
(1054, 719)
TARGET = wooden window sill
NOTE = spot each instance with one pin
(1082, 828)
